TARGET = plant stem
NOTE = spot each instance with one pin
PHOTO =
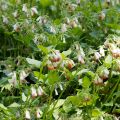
(50, 98)
(100, 4)
(114, 88)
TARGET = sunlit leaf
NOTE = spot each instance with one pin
(108, 61)
(34, 62)
(96, 112)
(24, 97)
(43, 49)
(14, 105)
(45, 3)
(86, 82)
(66, 53)
(3, 107)
(53, 77)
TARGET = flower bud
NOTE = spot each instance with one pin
(16, 27)
(63, 28)
(104, 74)
(116, 65)
(4, 6)
(87, 98)
(102, 52)
(98, 80)
(52, 30)
(50, 65)
(55, 56)
(67, 21)
(34, 11)
(78, 1)
(38, 114)
(40, 91)
(5, 20)
(55, 64)
(56, 92)
(39, 19)
(23, 75)
(33, 92)
(80, 59)
(102, 16)
(24, 8)
(13, 80)
(97, 56)
(15, 14)
(27, 115)
(61, 87)
(76, 20)
(116, 52)
(70, 64)
(73, 24)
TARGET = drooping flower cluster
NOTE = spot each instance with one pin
(102, 74)
(14, 79)
(54, 59)
(38, 114)
(101, 53)
(68, 63)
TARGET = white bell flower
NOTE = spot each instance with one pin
(5, 20)
(63, 28)
(27, 115)
(24, 8)
(40, 91)
(33, 92)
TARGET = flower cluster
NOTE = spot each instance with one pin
(54, 59)
(38, 92)
(38, 114)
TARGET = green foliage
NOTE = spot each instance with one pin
(59, 59)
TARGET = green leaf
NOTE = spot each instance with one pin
(109, 104)
(60, 102)
(36, 73)
(45, 3)
(3, 107)
(76, 31)
(39, 76)
(96, 113)
(82, 71)
(75, 100)
(66, 53)
(67, 106)
(108, 61)
(86, 82)
(56, 114)
(117, 94)
(3, 81)
(34, 62)
(24, 97)
(53, 77)
(43, 49)
(7, 87)
(14, 105)
(114, 26)
(116, 111)
(91, 73)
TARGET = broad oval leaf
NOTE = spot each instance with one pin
(34, 62)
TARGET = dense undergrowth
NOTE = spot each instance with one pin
(59, 59)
